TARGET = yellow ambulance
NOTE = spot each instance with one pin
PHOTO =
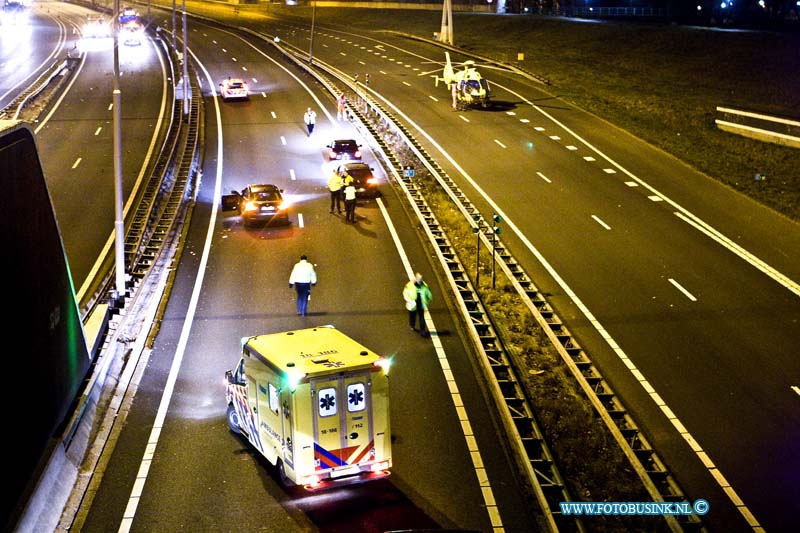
(315, 403)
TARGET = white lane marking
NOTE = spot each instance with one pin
(361, 62)
(682, 289)
(588, 158)
(254, 80)
(224, 51)
(609, 171)
(273, 114)
(655, 198)
(698, 223)
(76, 163)
(139, 179)
(433, 98)
(342, 54)
(649, 389)
(796, 389)
(738, 250)
(382, 72)
(631, 184)
(465, 119)
(291, 174)
(597, 219)
(539, 128)
(545, 178)
(213, 41)
(455, 395)
(263, 94)
(510, 113)
(300, 222)
(172, 378)
(406, 83)
(110, 106)
(524, 120)
(570, 147)
(283, 140)
(555, 137)
(499, 143)
(244, 68)
(415, 69)
(233, 59)
(98, 130)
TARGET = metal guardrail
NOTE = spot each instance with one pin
(645, 461)
(759, 126)
(12, 110)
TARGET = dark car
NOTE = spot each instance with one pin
(364, 180)
(344, 149)
(258, 204)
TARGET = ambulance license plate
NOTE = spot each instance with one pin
(346, 471)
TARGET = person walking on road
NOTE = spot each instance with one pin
(341, 107)
(417, 296)
(302, 278)
(350, 202)
(335, 185)
(310, 118)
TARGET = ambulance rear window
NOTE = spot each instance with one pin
(356, 399)
(273, 398)
(327, 402)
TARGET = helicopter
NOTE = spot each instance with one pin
(470, 87)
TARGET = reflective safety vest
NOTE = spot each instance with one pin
(410, 295)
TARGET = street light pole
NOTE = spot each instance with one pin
(185, 66)
(313, 20)
(119, 224)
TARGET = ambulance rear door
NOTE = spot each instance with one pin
(343, 425)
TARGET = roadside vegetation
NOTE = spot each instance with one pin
(660, 82)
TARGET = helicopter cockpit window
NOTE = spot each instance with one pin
(473, 84)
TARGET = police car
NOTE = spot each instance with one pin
(234, 89)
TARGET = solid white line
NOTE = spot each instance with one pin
(76, 163)
(682, 289)
(796, 389)
(545, 178)
(465, 119)
(158, 423)
(139, 179)
(477, 461)
(751, 520)
(597, 219)
(98, 130)
(741, 252)
(500, 144)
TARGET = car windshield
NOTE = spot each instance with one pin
(359, 173)
(265, 195)
(344, 145)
